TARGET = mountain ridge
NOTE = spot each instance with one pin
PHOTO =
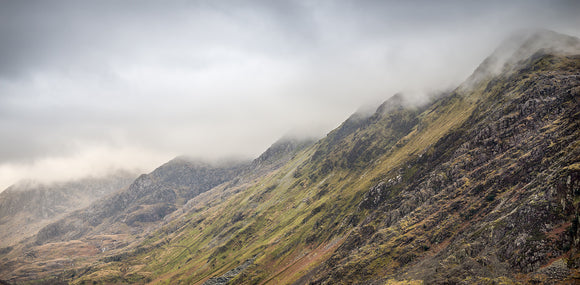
(478, 186)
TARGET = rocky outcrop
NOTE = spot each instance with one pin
(226, 277)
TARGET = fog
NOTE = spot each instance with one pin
(90, 87)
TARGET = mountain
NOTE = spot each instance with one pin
(28, 206)
(479, 186)
(124, 217)
(147, 200)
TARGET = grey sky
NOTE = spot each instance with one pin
(87, 86)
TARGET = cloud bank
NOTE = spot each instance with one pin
(90, 86)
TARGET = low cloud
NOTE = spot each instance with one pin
(87, 160)
(86, 87)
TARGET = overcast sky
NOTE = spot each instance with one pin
(86, 87)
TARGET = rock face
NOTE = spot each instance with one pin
(28, 206)
(228, 276)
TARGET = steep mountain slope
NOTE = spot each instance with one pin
(28, 206)
(479, 186)
(494, 199)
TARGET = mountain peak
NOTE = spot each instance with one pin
(282, 147)
(395, 102)
(520, 46)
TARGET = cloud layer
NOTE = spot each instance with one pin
(91, 86)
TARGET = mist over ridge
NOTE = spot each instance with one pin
(132, 85)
